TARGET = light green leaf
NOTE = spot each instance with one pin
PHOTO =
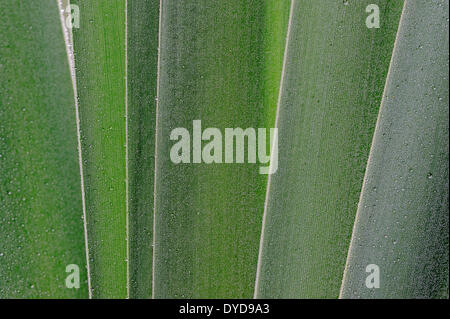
(99, 46)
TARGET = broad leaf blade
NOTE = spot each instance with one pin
(335, 74)
(41, 226)
(143, 27)
(402, 224)
(215, 67)
(99, 46)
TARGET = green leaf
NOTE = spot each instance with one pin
(117, 93)
(41, 226)
(87, 178)
(99, 46)
(335, 74)
(221, 64)
(402, 223)
(143, 28)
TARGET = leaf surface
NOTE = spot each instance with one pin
(335, 73)
(142, 47)
(41, 226)
(220, 64)
(402, 223)
(99, 47)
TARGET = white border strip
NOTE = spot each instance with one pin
(156, 146)
(126, 150)
(269, 179)
(69, 49)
